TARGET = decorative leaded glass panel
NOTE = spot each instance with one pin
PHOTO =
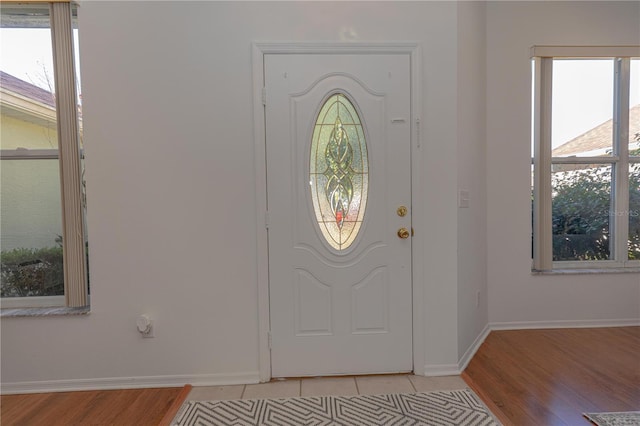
(339, 172)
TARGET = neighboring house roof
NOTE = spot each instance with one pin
(597, 140)
(25, 101)
(28, 90)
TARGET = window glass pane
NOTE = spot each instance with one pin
(26, 45)
(634, 111)
(533, 107)
(76, 50)
(339, 168)
(31, 227)
(582, 107)
(532, 208)
(581, 206)
(76, 62)
(28, 105)
(634, 166)
(634, 211)
(30, 221)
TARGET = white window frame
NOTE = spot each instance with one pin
(543, 57)
(69, 158)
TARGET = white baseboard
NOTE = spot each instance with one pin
(466, 358)
(432, 370)
(457, 369)
(130, 383)
(528, 325)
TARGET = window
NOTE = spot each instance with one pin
(586, 157)
(339, 172)
(43, 257)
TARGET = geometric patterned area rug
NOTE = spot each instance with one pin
(445, 408)
(626, 418)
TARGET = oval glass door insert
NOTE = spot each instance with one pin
(339, 172)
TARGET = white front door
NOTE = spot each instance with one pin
(338, 176)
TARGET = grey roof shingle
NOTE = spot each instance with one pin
(598, 138)
(28, 90)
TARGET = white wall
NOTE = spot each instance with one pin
(472, 231)
(167, 102)
(515, 296)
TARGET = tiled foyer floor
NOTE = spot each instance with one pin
(360, 385)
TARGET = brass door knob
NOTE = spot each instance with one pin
(403, 233)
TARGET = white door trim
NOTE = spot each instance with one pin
(418, 215)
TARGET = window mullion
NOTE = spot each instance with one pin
(543, 243)
(620, 220)
(70, 168)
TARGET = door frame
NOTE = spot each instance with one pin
(259, 50)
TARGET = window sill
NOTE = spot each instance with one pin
(587, 271)
(44, 312)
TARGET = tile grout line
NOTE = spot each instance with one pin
(412, 385)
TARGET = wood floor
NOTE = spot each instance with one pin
(526, 377)
(550, 377)
(139, 407)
